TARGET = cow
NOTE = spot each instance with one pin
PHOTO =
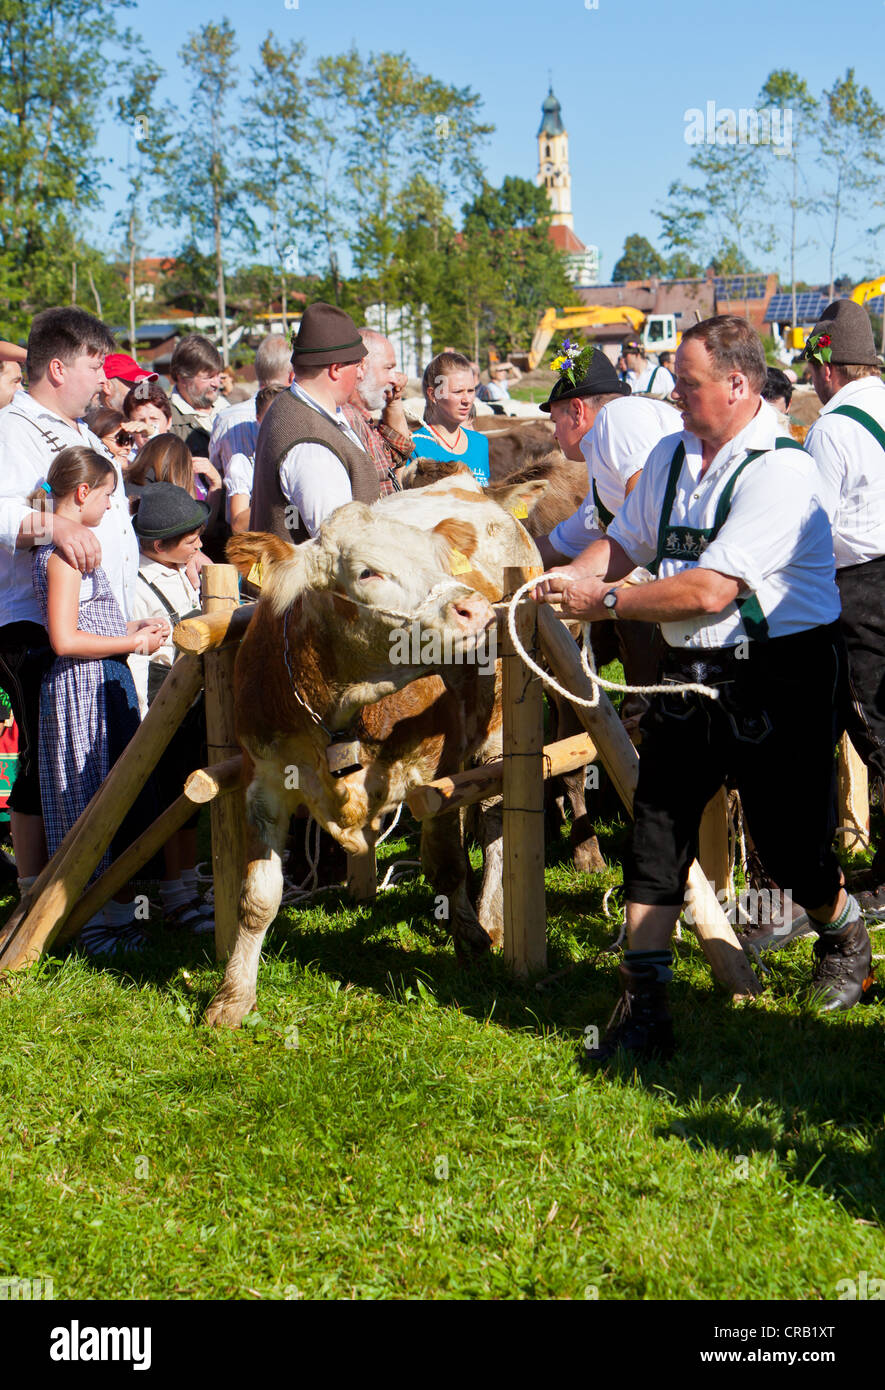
(324, 659)
(543, 493)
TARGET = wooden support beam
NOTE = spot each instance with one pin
(853, 799)
(36, 921)
(713, 854)
(202, 786)
(220, 589)
(477, 783)
(214, 628)
(525, 908)
(621, 762)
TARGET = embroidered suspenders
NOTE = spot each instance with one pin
(690, 542)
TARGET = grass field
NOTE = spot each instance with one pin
(392, 1126)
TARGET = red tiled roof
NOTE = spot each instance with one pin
(564, 239)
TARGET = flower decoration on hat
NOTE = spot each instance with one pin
(573, 361)
(819, 348)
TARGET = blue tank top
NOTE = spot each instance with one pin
(476, 455)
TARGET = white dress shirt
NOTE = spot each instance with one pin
(776, 538)
(177, 589)
(663, 381)
(235, 431)
(851, 464)
(25, 457)
(623, 435)
(313, 479)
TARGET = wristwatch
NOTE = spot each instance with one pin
(609, 601)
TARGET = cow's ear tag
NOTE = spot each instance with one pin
(254, 575)
(343, 756)
(520, 511)
(459, 562)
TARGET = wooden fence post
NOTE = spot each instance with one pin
(713, 854)
(853, 798)
(220, 590)
(36, 921)
(525, 907)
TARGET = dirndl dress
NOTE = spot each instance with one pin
(88, 714)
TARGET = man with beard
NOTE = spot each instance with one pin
(387, 440)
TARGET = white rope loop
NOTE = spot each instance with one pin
(589, 666)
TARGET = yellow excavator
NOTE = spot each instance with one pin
(657, 332)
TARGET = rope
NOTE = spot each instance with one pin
(589, 666)
(392, 825)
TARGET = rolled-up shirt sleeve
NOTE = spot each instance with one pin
(635, 528)
(17, 481)
(12, 513)
(572, 536)
(315, 482)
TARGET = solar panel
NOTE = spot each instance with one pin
(741, 286)
(875, 306)
(810, 304)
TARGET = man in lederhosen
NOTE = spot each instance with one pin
(728, 516)
(847, 442)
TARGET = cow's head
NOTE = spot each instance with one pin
(366, 579)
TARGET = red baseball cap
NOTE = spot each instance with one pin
(120, 364)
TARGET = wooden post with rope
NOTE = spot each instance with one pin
(525, 908)
(220, 589)
(853, 799)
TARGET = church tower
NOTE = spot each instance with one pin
(553, 172)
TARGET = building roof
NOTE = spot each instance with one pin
(564, 239)
(551, 118)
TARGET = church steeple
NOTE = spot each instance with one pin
(553, 170)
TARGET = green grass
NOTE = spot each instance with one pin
(392, 1126)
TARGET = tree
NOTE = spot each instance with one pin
(789, 92)
(851, 139)
(54, 73)
(202, 188)
(639, 260)
(722, 208)
(503, 270)
(147, 153)
(278, 150)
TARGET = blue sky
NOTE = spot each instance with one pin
(624, 73)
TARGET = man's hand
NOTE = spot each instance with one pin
(77, 544)
(580, 596)
(395, 392)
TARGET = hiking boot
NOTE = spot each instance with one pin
(872, 903)
(843, 968)
(641, 1023)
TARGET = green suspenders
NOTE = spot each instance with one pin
(862, 418)
(605, 516)
(651, 381)
(690, 542)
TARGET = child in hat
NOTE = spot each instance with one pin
(169, 523)
(88, 705)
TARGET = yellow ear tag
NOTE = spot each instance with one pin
(459, 562)
(520, 511)
(254, 575)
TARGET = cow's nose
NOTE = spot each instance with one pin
(471, 614)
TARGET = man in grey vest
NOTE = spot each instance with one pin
(309, 461)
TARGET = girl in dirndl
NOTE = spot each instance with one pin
(88, 704)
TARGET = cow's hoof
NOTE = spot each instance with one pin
(588, 858)
(227, 1013)
(471, 943)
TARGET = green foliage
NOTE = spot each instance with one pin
(639, 260)
(851, 151)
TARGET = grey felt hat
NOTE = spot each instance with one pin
(166, 511)
(850, 333)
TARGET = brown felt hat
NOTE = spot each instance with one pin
(326, 335)
(850, 333)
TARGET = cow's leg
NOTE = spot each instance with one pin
(267, 820)
(445, 864)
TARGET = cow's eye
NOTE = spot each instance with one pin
(370, 574)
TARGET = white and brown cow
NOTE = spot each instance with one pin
(323, 657)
